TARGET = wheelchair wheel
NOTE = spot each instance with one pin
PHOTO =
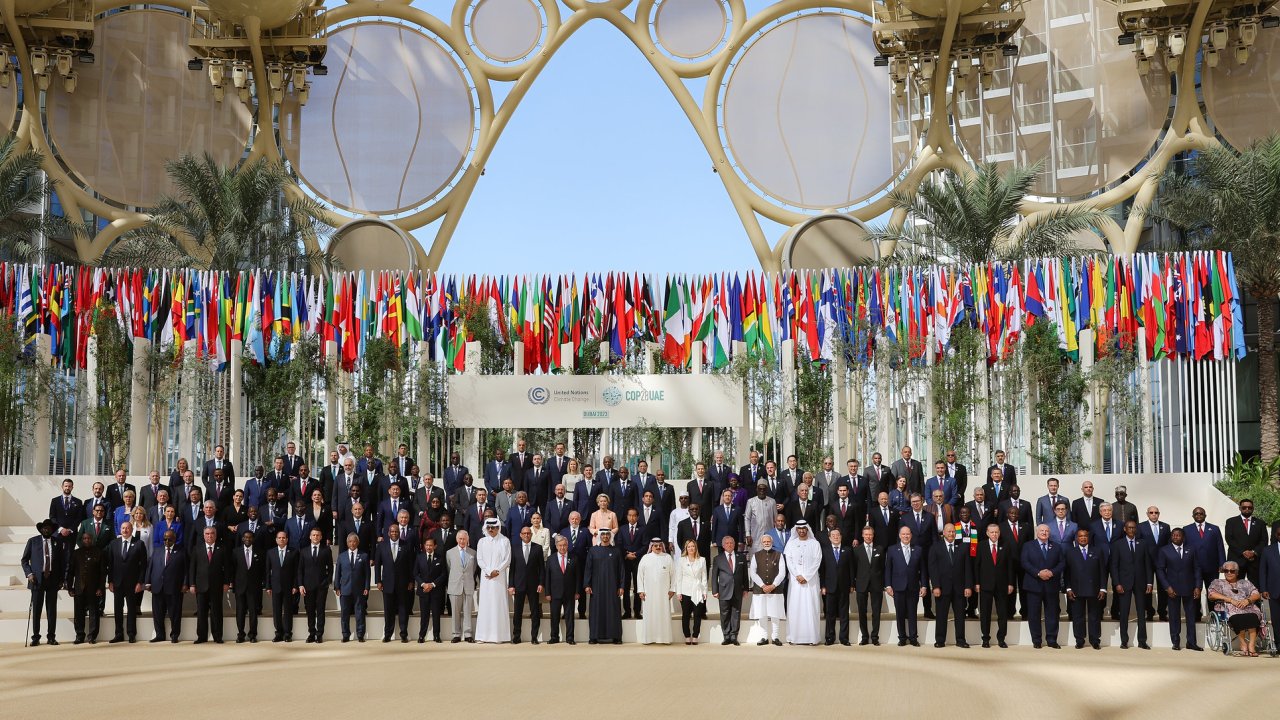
(1215, 637)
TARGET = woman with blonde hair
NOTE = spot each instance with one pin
(142, 528)
(691, 589)
(602, 519)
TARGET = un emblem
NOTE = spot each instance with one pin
(612, 396)
(539, 395)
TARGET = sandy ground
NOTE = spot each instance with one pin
(307, 681)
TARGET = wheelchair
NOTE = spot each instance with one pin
(1219, 636)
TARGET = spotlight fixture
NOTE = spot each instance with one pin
(62, 61)
(216, 73)
(239, 74)
(1009, 50)
(927, 65)
(1248, 28)
(39, 61)
(881, 61)
(1270, 21)
(195, 64)
(86, 57)
(1126, 39)
(320, 70)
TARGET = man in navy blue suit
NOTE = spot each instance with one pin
(351, 586)
(556, 517)
(453, 474)
(1042, 566)
(166, 580)
(579, 545)
(1205, 541)
(393, 573)
(1179, 572)
(494, 472)
(1269, 571)
(903, 579)
(44, 564)
(726, 519)
(1086, 578)
(634, 542)
(1157, 534)
(67, 512)
(624, 493)
(1131, 572)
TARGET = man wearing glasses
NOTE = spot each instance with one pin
(1156, 535)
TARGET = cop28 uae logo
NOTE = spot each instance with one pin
(539, 395)
(612, 396)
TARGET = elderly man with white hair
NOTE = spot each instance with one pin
(767, 571)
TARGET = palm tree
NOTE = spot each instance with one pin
(226, 219)
(22, 193)
(1229, 200)
(976, 219)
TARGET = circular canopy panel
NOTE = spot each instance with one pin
(690, 29)
(1073, 102)
(828, 241)
(368, 244)
(390, 126)
(138, 107)
(506, 30)
(272, 13)
(806, 116)
(1244, 100)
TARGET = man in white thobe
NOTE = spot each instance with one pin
(655, 581)
(767, 571)
(493, 555)
(804, 591)
(679, 514)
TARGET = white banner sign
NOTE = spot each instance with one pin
(605, 401)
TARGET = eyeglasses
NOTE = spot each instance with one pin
(1152, 512)
(1229, 572)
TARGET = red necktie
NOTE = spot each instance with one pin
(1015, 532)
(561, 564)
(993, 555)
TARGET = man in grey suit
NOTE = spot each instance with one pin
(463, 572)
(911, 469)
(729, 585)
(351, 586)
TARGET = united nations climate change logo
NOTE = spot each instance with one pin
(539, 395)
(612, 396)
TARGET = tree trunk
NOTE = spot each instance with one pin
(1267, 406)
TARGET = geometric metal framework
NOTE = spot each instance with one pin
(809, 108)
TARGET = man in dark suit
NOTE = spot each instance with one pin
(299, 527)
(208, 518)
(1106, 529)
(868, 585)
(1205, 540)
(315, 573)
(726, 519)
(696, 528)
(1157, 534)
(803, 507)
(248, 577)
(904, 582)
(430, 579)
(776, 486)
(1131, 571)
(166, 580)
(219, 462)
(717, 473)
(883, 520)
(116, 490)
(728, 584)
(519, 462)
(389, 509)
(126, 571)
(703, 491)
(579, 546)
(1042, 568)
(950, 572)
(495, 471)
(1179, 573)
(847, 514)
(362, 527)
(944, 483)
(994, 576)
(282, 585)
(1013, 498)
(624, 493)
(351, 587)
(911, 469)
(1008, 473)
(255, 488)
(292, 460)
(556, 516)
(219, 489)
(86, 583)
(1084, 509)
(369, 463)
(98, 527)
(920, 522)
(393, 574)
(981, 512)
(1015, 533)
(792, 472)
(749, 474)
(651, 519)
(424, 492)
(263, 536)
(1046, 503)
(464, 496)
(474, 518)
(401, 463)
(537, 483)
(1269, 572)
(959, 473)
(1246, 538)
(524, 583)
(44, 564)
(858, 491)
(329, 475)
(633, 540)
(664, 493)
(560, 583)
(186, 495)
(1086, 580)
(207, 580)
(149, 495)
(557, 464)
(836, 578)
(453, 474)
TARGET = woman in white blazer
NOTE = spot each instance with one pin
(691, 588)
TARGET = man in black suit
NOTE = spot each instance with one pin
(401, 463)
(560, 582)
(1246, 538)
(519, 462)
(453, 474)
(883, 520)
(219, 489)
(116, 490)
(994, 576)
(279, 478)
(868, 584)
(149, 496)
(219, 462)
(950, 572)
(207, 580)
(393, 574)
(302, 485)
(633, 540)
(651, 519)
(315, 573)
(1179, 573)
(858, 493)
(166, 579)
(1008, 473)
(703, 491)
(982, 513)
(1157, 534)
(911, 469)
(664, 493)
(1086, 581)
(329, 475)
(846, 513)
(958, 472)
(67, 512)
(1084, 509)
(557, 465)
(717, 473)
(776, 486)
(292, 460)
(207, 519)
(803, 507)
(1016, 532)
(1131, 569)
(837, 584)
(247, 580)
(792, 472)
(126, 570)
(362, 527)
(696, 528)
(282, 585)
(86, 583)
(751, 473)
(431, 579)
(44, 564)
(1042, 568)
(525, 584)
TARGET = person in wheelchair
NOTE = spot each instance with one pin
(1237, 596)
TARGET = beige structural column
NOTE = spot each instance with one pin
(842, 444)
(695, 368)
(139, 424)
(606, 434)
(885, 416)
(931, 453)
(89, 446)
(570, 361)
(983, 415)
(1030, 431)
(235, 412)
(1144, 387)
(187, 415)
(744, 433)
(331, 393)
(41, 432)
(1089, 431)
(788, 398)
(423, 448)
(517, 363)
(471, 436)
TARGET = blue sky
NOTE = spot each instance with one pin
(599, 169)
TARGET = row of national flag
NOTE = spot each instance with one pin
(1185, 304)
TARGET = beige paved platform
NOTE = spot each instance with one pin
(305, 681)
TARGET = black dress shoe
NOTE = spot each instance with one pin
(359, 639)
(915, 643)
(345, 639)
(1054, 645)
(534, 641)
(239, 641)
(1036, 645)
(1079, 644)
(735, 642)
(571, 642)
(829, 642)
(1124, 646)
(320, 639)
(1144, 646)
(626, 616)
(78, 641)
(986, 643)
(172, 640)
(593, 642)
(217, 641)
(553, 641)
(35, 642)
(617, 642)
(939, 645)
(763, 641)
(1197, 648)
(115, 640)
(515, 641)
(386, 639)
(864, 641)
(1096, 646)
(875, 641)
(929, 616)
(639, 616)
(157, 639)
(456, 640)
(404, 639)
(51, 642)
(422, 641)
(962, 644)
(1176, 646)
(845, 643)
(252, 640)
(902, 642)
(1004, 644)
(436, 640)
(777, 641)
(471, 640)
(199, 642)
